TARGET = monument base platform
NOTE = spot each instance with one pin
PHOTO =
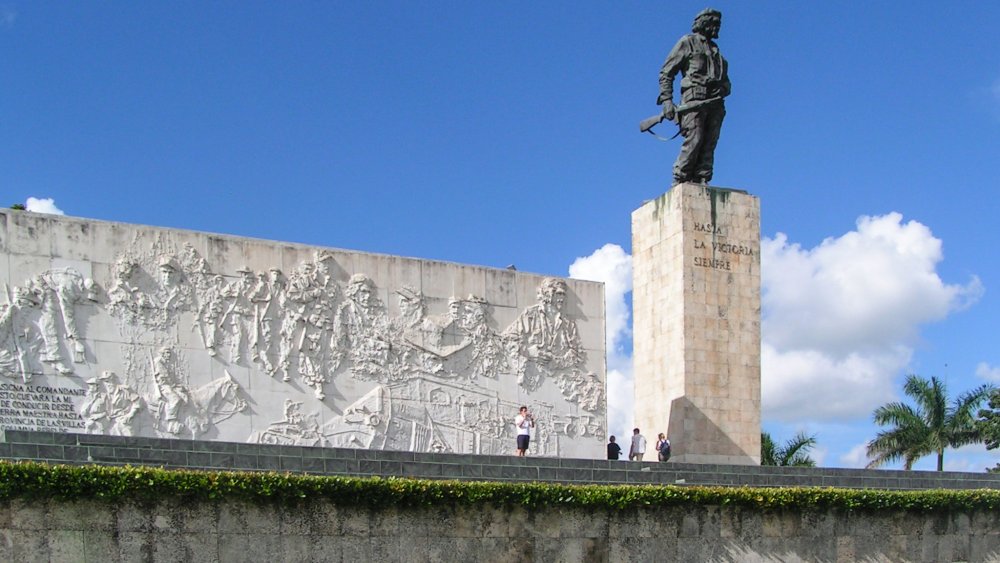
(82, 449)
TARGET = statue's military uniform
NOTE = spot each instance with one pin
(705, 76)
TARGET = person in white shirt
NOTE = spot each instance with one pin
(638, 448)
(524, 423)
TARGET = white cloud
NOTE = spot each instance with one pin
(988, 372)
(958, 464)
(43, 205)
(840, 320)
(621, 403)
(856, 457)
(819, 454)
(613, 266)
(808, 384)
(974, 458)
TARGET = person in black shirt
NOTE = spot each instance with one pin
(613, 449)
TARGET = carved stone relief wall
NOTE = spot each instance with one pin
(128, 330)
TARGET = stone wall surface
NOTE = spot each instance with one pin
(320, 531)
(696, 298)
(125, 330)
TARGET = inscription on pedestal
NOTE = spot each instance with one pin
(708, 248)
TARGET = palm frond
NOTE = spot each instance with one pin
(930, 426)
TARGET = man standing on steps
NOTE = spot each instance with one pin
(524, 423)
(704, 84)
(638, 448)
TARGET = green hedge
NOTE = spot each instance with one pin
(30, 480)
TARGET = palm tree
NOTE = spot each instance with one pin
(928, 427)
(794, 452)
(989, 422)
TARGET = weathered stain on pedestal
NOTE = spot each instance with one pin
(696, 297)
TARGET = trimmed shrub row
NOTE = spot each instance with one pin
(32, 480)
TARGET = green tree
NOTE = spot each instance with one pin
(18, 207)
(928, 427)
(794, 452)
(989, 422)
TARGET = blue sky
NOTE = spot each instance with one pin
(508, 134)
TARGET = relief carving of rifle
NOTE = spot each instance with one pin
(646, 125)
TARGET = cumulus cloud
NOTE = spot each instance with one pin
(840, 320)
(857, 457)
(819, 454)
(621, 402)
(816, 385)
(960, 464)
(43, 205)
(988, 372)
(613, 266)
(973, 458)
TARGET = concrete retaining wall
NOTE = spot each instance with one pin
(319, 531)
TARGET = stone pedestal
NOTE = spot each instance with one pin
(696, 298)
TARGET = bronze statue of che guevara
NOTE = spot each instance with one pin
(704, 85)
